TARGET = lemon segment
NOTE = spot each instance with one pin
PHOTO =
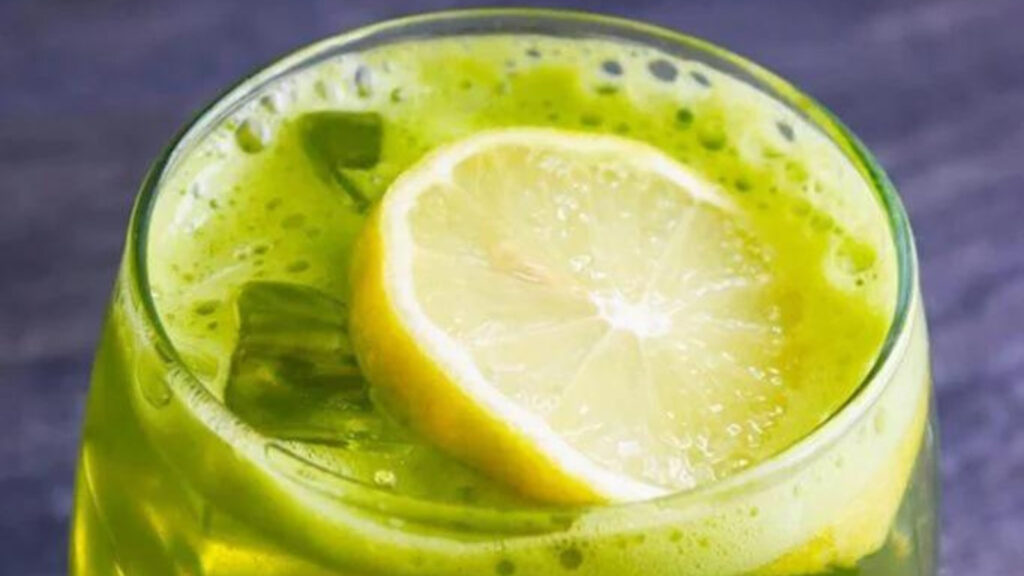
(578, 315)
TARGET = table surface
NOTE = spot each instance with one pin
(90, 92)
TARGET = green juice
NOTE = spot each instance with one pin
(247, 441)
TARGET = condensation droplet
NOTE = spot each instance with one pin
(150, 378)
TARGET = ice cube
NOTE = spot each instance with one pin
(342, 146)
(294, 379)
(293, 374)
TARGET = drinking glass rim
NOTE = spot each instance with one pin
(496, 21)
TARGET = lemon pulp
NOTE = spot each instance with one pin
(602, 311)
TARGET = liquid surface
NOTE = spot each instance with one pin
(251, 239)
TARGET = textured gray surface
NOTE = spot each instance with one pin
(89, 92)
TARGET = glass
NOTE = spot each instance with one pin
(171, 482)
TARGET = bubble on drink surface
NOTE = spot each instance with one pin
(327, 91)
(293, 221)
(851, 262)
(571, 558)
(252, 135)
(856, 257)
(206, 307)
(385, 478)
(684, 117)
(712, 138)
(822, 222)
(612, 67)
(363, 80)
(700, 78)
(275, 101)
(663, 70)
(785, 130)
(297, 266)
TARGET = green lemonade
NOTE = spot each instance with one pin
(255, 446)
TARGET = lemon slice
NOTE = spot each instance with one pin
(577, 315)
